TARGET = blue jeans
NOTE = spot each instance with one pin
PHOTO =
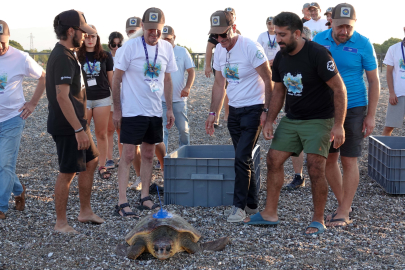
(181, 122)
(10, 137)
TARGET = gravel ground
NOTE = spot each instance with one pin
(373, 241)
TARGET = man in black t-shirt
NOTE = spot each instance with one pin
(67, 121)
(306, 13)
(306, 74)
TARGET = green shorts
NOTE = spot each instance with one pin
(312, 136)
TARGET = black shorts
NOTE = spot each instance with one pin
(70, 159)
(353, 126)
(138, 129)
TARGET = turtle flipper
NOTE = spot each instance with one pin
(121, 249)
(134, 251)
(216, 245)
(188, 245)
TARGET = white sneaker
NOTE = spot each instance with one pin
(137, 185)
(237, 215)
(249, 211)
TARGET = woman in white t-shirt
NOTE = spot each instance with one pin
(268, 41)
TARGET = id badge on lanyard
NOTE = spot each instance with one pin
(151, 69)
(92, 81)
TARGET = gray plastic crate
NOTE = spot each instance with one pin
(386, 162)
(203, 175)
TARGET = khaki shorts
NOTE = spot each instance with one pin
(312, 136)
(395, 114)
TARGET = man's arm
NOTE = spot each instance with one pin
(340, 101)
(373, 96)
(116, 93)
(265, 73)
(190, 80)
(208, 58)
(218, 93)
(390, 81)
(275, 104)
(29, 106)
(62, 96)
(168, 91)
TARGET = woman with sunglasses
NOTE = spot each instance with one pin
(114, 42)
(97, 69)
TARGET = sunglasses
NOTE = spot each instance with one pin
(224, 35)
(113, 45)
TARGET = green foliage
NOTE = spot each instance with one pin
(383, 48)
(105, 47)
(16, 45)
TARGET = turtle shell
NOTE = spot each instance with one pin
(148, 224)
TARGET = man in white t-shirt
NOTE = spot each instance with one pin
(316, 24)
(143, 65)
(268, 41)
(181, 89)
(243, 63)
(395, 61)
(14, 66)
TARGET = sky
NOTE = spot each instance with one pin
(189, 19)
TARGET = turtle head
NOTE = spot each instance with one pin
(163, 248)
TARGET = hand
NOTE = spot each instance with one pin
(117, 117)
(263, 118)
(268, 130)
(393, 99)
(27, 109)
(185, 92)
(337, 136)
(209, 125)
(83, 141)
(271, 62)
(170, 119)
(368, 125)
(208, 71)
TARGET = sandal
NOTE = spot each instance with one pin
(105, 172)
(121, 207)
(143, 207)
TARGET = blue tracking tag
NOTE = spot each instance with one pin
(348, 49)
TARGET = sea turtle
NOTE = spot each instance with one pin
(164, 237)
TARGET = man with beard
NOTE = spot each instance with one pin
(306, 13)
(354, 54)
(316, 24)
(143, 65)
(243, 63)
(67, 119)
(306, 72)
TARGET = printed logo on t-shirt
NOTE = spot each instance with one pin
(151, 71)
(259, 54)
(402, 68)
(153, 17)
(274, 45)
(232, 73)
(293, 84)
(315, 32)
(3, 82)
(330, 66)
(96, 69)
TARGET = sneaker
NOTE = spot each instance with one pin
(110, 164)
(157, 166)
(249, 211)
(296, 183)
(152, 189)
(137, 185)
(237, 215)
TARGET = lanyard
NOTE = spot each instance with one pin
(403, 55)
(271, 43)
(150, 67)
(90, 68)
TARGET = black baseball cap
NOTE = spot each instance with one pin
(74, 18)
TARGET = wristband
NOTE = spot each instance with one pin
(78, 130)
(265, 110)
(212, 113)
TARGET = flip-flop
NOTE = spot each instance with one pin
(317, 225)
(257, 219)
(351, 213)
(346, 221)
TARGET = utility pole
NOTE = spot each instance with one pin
(31, 42)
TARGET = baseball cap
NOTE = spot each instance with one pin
(153, 18)
(269, 19)
(329, 10)
(167, 32)
(133, 23)
(4, 31)
(221, 21)
(343, 14)
(75, 18)
(314, 4)
(231, 10)
(306, 5)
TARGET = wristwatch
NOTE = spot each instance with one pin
(265, 110)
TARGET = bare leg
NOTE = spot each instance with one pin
(100, 118)
(298, 163)
(85, 185)
(120, 146)
(319, 187)
(334, 176)
(137, 160)
(127, 157)
(110, 137)
(160, 151)
(387, 131)
(275, 180)
(61, 197)
(147, 151)
(349, 188)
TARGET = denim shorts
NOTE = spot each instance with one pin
(91, 104)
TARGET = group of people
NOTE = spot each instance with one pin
(329, 109)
